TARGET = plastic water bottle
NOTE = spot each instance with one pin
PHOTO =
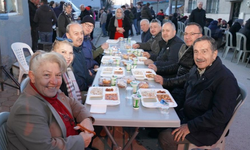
(164, 107)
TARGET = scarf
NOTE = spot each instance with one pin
(68, 15)
(72, 86)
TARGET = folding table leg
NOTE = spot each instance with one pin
(112, 138)
(132, 138)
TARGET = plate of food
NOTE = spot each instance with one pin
(105, 81)
(103, 95)
(110, 59)
(151, 98)
(143, 74)
(113, 71)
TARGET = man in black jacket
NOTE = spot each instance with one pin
(198, 15)
(33, 25)
(46, 18)
(210, 98)
(169, 47)
(180, 69)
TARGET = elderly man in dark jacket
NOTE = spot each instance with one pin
(146, 35)
(179, 70)
(198, 15)
(210, 98)
(152, 45)
(169, 47)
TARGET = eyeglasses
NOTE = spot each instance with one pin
(89, 26)
(185, 33)
(63, 39)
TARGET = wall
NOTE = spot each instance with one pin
(15, 29)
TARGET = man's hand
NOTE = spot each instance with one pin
(159, 79)
(181, 132)
(148, 61)
(135, 46)
(146, 54)
(152, 66)
(90, 73)
(105, 46)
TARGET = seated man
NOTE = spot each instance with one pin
(179, 70)
(89, 49)
(146, 35)
(169, 47)
(210, 99)
(74, 32)
(152, 45)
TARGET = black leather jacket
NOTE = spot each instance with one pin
(180, 69)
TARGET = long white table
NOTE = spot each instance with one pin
(125, 115)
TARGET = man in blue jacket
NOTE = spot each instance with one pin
(74, 32)
(210, 99)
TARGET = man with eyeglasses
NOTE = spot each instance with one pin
(92, 54)
(179, 70)
(152, 45)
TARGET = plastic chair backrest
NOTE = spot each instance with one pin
(24, 84)
(241, 39)
(3, 127)
(207, 31)
(17, 48)
(229, 39)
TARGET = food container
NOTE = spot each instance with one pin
(134, 85)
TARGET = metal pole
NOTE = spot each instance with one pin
(176, 6)
(170, 7)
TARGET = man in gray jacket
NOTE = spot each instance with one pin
(152, 45)
(103, 20)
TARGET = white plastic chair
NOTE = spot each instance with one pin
(221, 142)
(17, 48)
(3, 136)
(24, 84)
(207, 31)
(241, 49)
(229, 44)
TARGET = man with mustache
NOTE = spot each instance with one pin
(179, 70)
(210, 98)
(74, 31)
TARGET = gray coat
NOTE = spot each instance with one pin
(34, 123)
(152, 45)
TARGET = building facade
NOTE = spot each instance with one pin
(225, 9)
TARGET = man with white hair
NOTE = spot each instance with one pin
(146, 35)
(84, 12)
(198, 15)
(152, 45)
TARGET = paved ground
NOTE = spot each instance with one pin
(239, 133)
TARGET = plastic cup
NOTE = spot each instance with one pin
(165, 108)
(134, 85)
(136, 101)
(129, 92)
(113, 81)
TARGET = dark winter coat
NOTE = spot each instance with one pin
(168, 52)
(146, 13)
(180, 69)
(216, 32)
(63, 21)
(46, 18)
(32, 12)
(112, 29)
(145, 36)
(199, 16)
(246, 32)
(233, 29)
(209, 103)
(152, 45)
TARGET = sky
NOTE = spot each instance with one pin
(121, 2)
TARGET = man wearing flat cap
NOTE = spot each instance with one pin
(90, 51)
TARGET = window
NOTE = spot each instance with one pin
(8, 6)
(212, 6)
(192, 4)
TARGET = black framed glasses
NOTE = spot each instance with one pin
(63, 39)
